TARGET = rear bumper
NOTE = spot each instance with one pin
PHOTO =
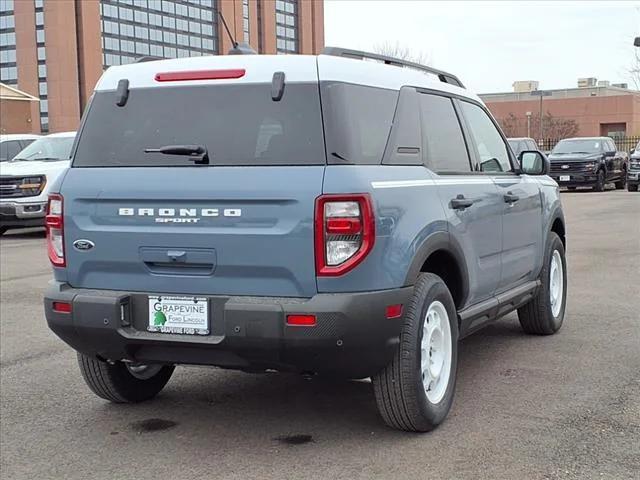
(22, 214)
(352, 337)
(633, 177)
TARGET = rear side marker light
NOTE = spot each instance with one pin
(200, 75)
(394, 311)
(301, 320)
(344, 232)
(62, 307)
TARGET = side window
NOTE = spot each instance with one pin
(357, 122)
(492, 150)
(444, 146)
(611, 146)
(9, 149)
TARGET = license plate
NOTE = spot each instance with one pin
(181, 315)
(565, 178)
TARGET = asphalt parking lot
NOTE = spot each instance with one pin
(566, 406)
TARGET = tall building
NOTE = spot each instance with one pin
(57, 49)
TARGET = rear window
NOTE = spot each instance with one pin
(239, 125)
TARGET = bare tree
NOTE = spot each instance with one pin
(634, 69)
(555, 128)
(510, 125)
(397, 50)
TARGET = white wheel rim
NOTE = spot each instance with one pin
(143, 372)
(556, 283)
(435, 352)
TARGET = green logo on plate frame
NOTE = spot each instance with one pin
(159, 318)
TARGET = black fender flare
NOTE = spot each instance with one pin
(441, 240)
(556, 215)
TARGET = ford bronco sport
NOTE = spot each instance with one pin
(315, 214)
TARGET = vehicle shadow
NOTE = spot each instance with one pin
(289, 409)
(24, 233)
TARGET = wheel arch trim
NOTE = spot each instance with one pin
(439, 241)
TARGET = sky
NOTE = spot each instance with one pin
(489, 45)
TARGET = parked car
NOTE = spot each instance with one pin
(11, 144)
(633, 175)
(315, 214)
(588, 162)
(522, 144)
(25, 181)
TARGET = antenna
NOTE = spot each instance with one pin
(233, 40)
(237, 48)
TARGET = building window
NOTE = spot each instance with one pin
(245, 20)
(7, 56)
(287, 26)
(8, 69)
(161, 24)
(6, 6)
(7, 22)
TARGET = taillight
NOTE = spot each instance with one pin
(344, 232)
(55, 230)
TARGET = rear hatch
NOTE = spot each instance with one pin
(240, 225)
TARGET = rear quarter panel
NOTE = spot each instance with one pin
(404, 217)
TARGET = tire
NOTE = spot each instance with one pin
(116, 383)
(622, 183)
(542, 316)
(632, 188)
(599, 186)
(400, 393)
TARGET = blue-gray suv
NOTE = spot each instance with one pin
(315, 214)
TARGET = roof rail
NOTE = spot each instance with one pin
(357, 54)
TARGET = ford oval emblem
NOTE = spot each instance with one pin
(83, 245)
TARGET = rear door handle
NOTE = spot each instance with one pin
(511, 198)
(460, 203)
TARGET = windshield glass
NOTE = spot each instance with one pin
(47, 148)
(578, 146)
(237, 125)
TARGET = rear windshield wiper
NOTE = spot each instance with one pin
(198, 153)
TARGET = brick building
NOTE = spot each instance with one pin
(598, 110)
(57, 49)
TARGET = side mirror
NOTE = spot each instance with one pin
(609, 154)
(533, 162)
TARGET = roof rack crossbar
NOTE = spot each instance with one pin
(398, 62)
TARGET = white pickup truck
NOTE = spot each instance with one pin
(25, 180)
